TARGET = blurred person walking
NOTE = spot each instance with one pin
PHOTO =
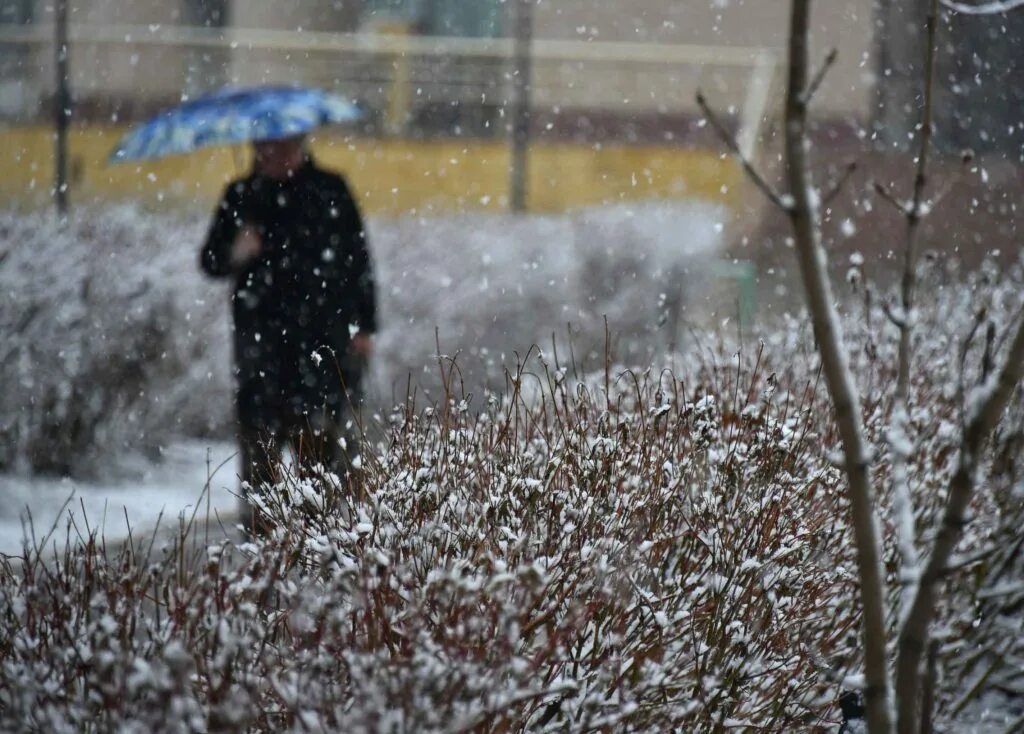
(291, 237)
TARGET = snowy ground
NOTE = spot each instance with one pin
(135, 493)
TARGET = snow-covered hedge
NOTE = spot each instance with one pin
(660, 554)
(614, 550)
(110, 340)
(584, 549)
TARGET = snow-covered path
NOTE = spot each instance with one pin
(136, 492)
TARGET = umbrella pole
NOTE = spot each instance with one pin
(236, 154)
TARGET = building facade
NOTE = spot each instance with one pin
(131, 55)
(613, 68)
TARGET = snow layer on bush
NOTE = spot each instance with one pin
(110, 340)
(644, 550)
(113, 341)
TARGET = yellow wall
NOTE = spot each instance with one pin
(390, 176)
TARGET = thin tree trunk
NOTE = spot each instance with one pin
(900, 445)
(811, 257)
(916, 211)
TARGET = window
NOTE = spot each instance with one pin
(16, 12)
(477, 19)
(208, 13)
(18, 95)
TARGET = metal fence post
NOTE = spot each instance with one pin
(62, 104)
(519, 163)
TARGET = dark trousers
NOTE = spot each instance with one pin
(311, 446)
(326, 438)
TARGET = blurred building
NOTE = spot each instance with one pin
(625, 67)
(613, 82)
(603, 68)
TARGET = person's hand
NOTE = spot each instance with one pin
(362, 344)
(246, 247)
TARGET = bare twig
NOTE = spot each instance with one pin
(901, 448)
(819, 77)
(837, 185)
(882, 190)
(805, 219)
(1015, 726)
(726, 137)
(895, 319)
(939, 196)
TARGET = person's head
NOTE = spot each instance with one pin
(279, 159)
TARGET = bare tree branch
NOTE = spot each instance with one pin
(915, 210)
(805, 219)
(819, 77)
(986, 358)
(838, 184)
(908, 701)
(726, 137)
(965, 347)
(990, 8)
(901, 447)
(882, 190)
(895, 319)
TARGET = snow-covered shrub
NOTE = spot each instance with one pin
(961, 328)
(645, 551)
(616, 549)
(490, 284)
(632, 550)
(111, 340)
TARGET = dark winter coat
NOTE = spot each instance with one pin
(309, 290)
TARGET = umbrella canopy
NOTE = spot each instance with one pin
(231, 116)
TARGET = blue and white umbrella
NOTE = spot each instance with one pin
(231, 116)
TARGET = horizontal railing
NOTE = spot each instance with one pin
(394, 44)
(636, 91)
